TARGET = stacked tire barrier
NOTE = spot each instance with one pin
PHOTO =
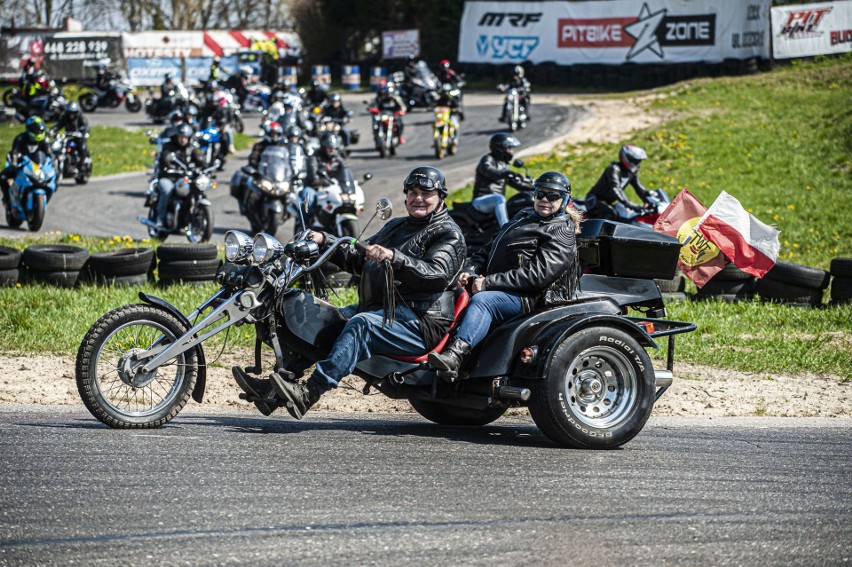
(61, 265)
(841, 281)
(793, 284)
(10, 266)
(729, 285)
(125, 266)
(673, 289)
(187, 263)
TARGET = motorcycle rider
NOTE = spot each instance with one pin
(169, 87)
(72, 120)
(104, 77)
(388, 99)
(451, 101)
(446, 74)
(169, 176)
(419, 255)
(492, 176)
(334, 110)
(518, 81)
(609, 189)
(33, 141)
(531, 263)
(316, 95)
(216, 71)
(322, 166)
(273, 136)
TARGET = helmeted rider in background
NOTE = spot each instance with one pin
(519, 81)
(29, 143)
(169, 86)
(388, 99)
(273, 136)
(104, 77)
(335, 110)
(492, 176)
(609, 189)
(323, 165)
(418, 256)
(72, 120)
(169, 176)
(316, 95)
(446, 74)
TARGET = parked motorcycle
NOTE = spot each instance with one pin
(385, 130)
(118, 92)
(269, 190)
(658, 201)
(336, 207)
(71, 161)
(445, 135)
(190, 212)
(580, 368)
(513, 114)
(33, 186)
(478, 227)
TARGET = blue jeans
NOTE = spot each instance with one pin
(364, 337)
(494, 202)
(166, 187)
(486, 308)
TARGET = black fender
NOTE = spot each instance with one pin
(201, 380)
(549, 339)
(544, 330)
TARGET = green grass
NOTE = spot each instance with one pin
(780, 142)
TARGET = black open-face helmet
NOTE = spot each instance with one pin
(426, 178)
(503, 146)
(554, 182)
(184, 131)
(330, 143)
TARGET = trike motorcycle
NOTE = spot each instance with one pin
(581, 368)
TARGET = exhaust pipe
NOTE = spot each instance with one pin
(513, 393)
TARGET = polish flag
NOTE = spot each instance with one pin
(750, 244)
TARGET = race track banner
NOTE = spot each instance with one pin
(805, 30)
(614, 32)
(400, 44)
(74, 56)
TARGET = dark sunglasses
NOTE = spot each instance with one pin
(554, 196)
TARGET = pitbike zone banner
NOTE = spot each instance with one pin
(72, 56)
(614, 32)
(804, 30)
(400, 44)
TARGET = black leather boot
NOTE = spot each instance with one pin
(261, 389)
(452, 357)
(300, 396)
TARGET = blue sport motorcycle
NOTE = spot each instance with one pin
(34, 185)
(213, 143)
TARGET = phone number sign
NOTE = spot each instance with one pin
(75, 57)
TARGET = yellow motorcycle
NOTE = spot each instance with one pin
(445, 132)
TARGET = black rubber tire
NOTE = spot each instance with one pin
(780, 292)
(132, 280)
(443, 414)
(166, 282)
(613, 360)
(190, 269)
(88, 102)
(36, 215)
(841, 267)
(121, 262)
(202, 224)
(841, 289)
(9, 258)
(133, 105)
(169, 252)
(725, 297)
(10, 277)
(672, 296)
(732, 273)
(55, 257)
(674, 285)
(58, 278)
(798, 275)
(96, 398)
(743, 288)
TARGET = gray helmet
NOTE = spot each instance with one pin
(631, 157)
(426, 178)
(184, 130)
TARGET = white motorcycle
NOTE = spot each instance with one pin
(334, 208)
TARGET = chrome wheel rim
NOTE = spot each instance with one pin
(601, 387)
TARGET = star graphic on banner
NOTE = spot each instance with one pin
(643, 30)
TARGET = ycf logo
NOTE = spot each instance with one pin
(510, 47)
(803, 23)
(650, 31)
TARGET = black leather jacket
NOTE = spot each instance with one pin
(610, 187)
(186, 154)
(492, 175)
(532, 256)
(79, 124)
(428, 255)
(321, 169)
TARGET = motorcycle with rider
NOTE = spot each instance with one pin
(29, 178)
(110, 90)
(70, 148)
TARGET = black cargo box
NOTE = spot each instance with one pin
(617, 249)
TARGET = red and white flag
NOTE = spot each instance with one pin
(750, 244)
(699, 259)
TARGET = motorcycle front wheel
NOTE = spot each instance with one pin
(110, 379)
(35, 218)
(88, 102)
(133, 104)
(201, 224)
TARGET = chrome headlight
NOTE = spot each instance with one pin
(40, 175)
(282, 187)
(266, 185)
(267, 248)
(202, 182)
(238, 246)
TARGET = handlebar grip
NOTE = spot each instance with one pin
(357, 245)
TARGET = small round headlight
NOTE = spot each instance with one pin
(266, 248)
(238, 246)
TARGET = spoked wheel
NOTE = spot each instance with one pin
(598, 391)
(110, 376)
(201, 224)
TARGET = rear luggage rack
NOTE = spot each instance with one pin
(657, 328)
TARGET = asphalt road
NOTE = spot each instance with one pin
(109, 206)
(229, 488)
